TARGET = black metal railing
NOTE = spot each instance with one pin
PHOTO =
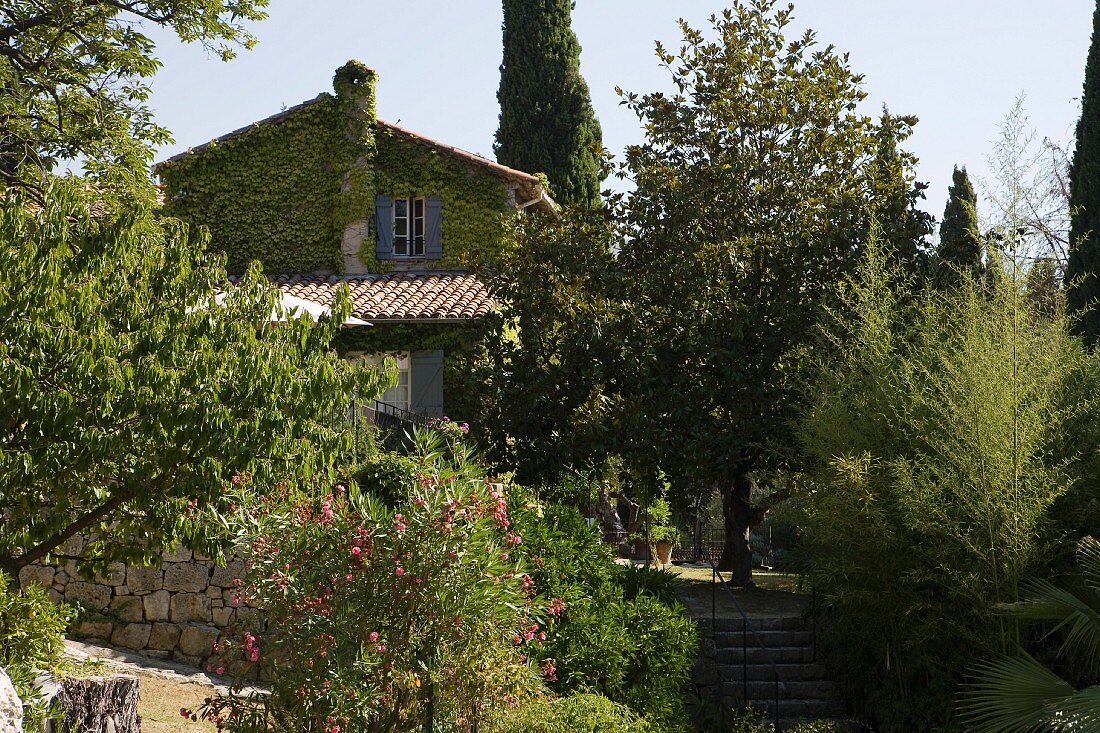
(727, 585)
(392, 417)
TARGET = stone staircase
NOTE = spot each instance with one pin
(738, 665)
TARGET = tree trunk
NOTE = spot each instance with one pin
(738, 516)
(96, 704)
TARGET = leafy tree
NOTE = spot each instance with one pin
(1083, 270)
(545, 398)
(547, 124)
(1022, 694)
(902, 227)
(135, 387)
(960, 239)
(72, 73)
(755, 190)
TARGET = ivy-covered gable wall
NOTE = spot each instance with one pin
(474, 202)
(286, 190)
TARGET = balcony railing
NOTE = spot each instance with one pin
(392, 417)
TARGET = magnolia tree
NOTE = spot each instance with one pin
(135, 384)
(369, 615)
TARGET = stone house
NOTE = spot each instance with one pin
(324, 195)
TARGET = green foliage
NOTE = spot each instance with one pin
(637, 650)
(32, 629)
(387, 476)
(583, 713)
(655, 524)
(657, 582)
(933, 445)
(547, 124)
(135, 386)
(284, 190)
(364, 611)
(752, 720)
(754, 193)
(1083, 269)
(74, 74)
(545, 401)
(960, 249)
(903, 227)
(1019, 694)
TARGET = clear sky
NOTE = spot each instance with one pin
(956, 64)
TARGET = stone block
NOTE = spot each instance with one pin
(197, 640)
(177, 554)
(127, 608)
(113, 575)
(164, 637)
(224, 577)
(221, 616)
(60, 577)
(142, 579)
(95, 629)
(72, 546)
(89, 595)
(11, 707)
(186, 577)
(38, 575)
(186, 607)
(132, 636)
(188, 659)
(156, 605)
(72, 571)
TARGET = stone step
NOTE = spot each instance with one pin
(766, 672)
(775, 655)
(768, 638)
(779, 623)
(788, 690)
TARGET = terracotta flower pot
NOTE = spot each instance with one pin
(664, 553)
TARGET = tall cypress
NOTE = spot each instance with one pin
(960, 240)
(547, 124)
(1083, 269)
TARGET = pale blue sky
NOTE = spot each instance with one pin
(956, 64)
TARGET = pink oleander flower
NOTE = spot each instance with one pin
(373, 636)
(399, 572)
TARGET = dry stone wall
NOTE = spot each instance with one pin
(171, 611)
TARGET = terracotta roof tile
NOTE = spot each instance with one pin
(398, 296)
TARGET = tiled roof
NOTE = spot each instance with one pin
(398, 296)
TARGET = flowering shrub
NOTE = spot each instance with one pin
(368, 612)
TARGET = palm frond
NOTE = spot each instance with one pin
(1073, 615)
(1014, 695)
(1079, 713)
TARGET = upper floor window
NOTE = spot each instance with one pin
(408, 227)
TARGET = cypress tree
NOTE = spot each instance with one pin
(547, 124)
(960, 241)
(1083, 269)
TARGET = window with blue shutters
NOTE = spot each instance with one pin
(409, 227)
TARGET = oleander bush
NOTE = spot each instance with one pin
(367, 612)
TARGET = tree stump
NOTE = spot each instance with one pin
(96, 705)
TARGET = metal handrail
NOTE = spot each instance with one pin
(727, 585)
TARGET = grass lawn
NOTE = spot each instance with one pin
(775, 594)
(161, 700)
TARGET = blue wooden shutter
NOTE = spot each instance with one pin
(433, 224)
(383, 224)
(427, 382)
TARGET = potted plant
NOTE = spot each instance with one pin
(656, 530)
